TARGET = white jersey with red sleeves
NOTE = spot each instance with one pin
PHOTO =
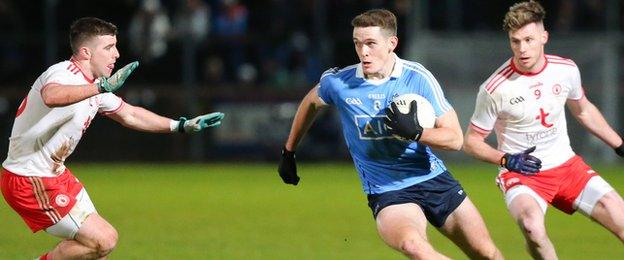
(528, 109)
(43, 137)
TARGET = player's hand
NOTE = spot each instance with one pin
(288, 167)
(200, 123)
(115, 81)
(403, 125)
(523, 162)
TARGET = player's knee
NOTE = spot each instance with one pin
(533, 229)
(487, 251)
(411, 249)
(107, 243)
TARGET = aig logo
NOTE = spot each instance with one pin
(353, 101)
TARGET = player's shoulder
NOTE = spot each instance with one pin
(560, 62)
(337, 72)
(66, 67)
(500, 75)
(413, 66)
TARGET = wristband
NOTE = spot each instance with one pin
(503, 160)
(181, 125)
(287, 153)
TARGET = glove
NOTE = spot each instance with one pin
(199, 123)
(620, 149)
(115, 81)
(523, 162)
(403, 125)
(288, 167)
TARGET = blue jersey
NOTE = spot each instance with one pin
(383, 162)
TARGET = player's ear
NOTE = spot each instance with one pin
(544, 37)
(394, 42)
(84, 52)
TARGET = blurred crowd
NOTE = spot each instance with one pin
(274, 43)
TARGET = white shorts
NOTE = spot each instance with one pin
(69, 225)
(595, 189)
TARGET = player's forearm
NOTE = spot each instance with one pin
(479, 149)
(442, 138)
(140, 119)
(56, 95)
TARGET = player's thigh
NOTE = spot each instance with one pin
(465, 226)
(96, 231)
(69, 225)
(608, 212)
(522, 202)
(400, 222)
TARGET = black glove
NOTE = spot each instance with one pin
(620, 149)
(403, 125)
(523, 162)
(288, 167)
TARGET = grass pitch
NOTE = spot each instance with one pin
(243, 211)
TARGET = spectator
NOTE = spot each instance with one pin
(149, 31)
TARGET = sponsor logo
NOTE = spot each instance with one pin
(371, 127)
(537, 137)
(353, 101)
(516, 100)
(61, 200)
(376, 96)
(590, 171)
(542, 117)
(460, 192)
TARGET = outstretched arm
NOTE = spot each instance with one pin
(141, 119)
(590, 117)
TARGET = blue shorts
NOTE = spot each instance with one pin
(438, 198)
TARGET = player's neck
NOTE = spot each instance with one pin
(386, 71)
(83, 65)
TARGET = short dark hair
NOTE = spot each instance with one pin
(377, 17)
(86, 28)
(523, 13)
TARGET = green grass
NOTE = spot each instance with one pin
(243, 211)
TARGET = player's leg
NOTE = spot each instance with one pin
(608, 212)
(528, 210)
(466, 228)
(95, 239)
(404, 228)
(87, 235)
(603, 204)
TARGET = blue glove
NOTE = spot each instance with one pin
(200, 123)
(288, 167)
(522, 163)
(115, 81)
(403, 125)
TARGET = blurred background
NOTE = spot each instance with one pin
(254, 61)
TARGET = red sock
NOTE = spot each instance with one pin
(45, 257)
